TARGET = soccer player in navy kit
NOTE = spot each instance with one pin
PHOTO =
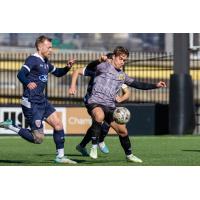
(35, 106)
(101, 103)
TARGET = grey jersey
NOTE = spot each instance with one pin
(107, 83)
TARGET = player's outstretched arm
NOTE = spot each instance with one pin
(146, 86)
(58, 72)
(75, 74)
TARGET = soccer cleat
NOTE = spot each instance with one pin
(103, 147)
(93, 153)
(132, 158)
(64, 160)
(82, 150)
(6, 123)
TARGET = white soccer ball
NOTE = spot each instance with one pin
(121, 115)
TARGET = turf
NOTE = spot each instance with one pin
(153, 150)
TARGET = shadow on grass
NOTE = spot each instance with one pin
(77, 155)
(192, 150)
(85, 160)
(14, 161)
(53, 155)
(41, 155)
(70, 156)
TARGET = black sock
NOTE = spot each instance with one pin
(96, 131)
(104, 131)
(126, 144)
(87, 138)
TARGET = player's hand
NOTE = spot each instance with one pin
(103, 58)
(161, 84)
(72, 90)
(70, 62)
(118, 99)
(32, 85)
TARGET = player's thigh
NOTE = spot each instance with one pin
(55, 121)
(119, 128)
(34, 115)
(27, 112)
(52, 117)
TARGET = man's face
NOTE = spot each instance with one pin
(45, 49)
(119, 60)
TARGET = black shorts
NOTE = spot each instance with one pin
(107, 111)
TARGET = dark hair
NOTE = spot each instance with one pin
(40, 40)
(120, 50)
(109, 55)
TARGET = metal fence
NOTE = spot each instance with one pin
(147, 67)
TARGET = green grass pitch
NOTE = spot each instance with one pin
(153, 150)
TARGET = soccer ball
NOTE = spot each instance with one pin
(121, 115)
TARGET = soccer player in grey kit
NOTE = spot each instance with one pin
(35, 106)
(101, 104)
(123, 95)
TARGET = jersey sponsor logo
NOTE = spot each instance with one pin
(38, 123)
(43, 78)
(121, 77)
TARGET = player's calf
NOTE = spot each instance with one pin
(38, 136)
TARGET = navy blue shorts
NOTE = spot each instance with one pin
(36, 113)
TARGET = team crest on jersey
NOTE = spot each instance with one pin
(43, 78)
(121, 77)
(38, 123)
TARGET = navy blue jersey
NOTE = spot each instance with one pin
(38, 69)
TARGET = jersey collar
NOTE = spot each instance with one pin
(37, 55)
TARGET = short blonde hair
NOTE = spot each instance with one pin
(40, 40)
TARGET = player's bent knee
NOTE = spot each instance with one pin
(98, 114)
(123, 133)
(58, 126)
(99, 117)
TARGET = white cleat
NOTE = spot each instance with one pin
(64, 160)
(132, 158)
(103, 147)
(93, 153)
